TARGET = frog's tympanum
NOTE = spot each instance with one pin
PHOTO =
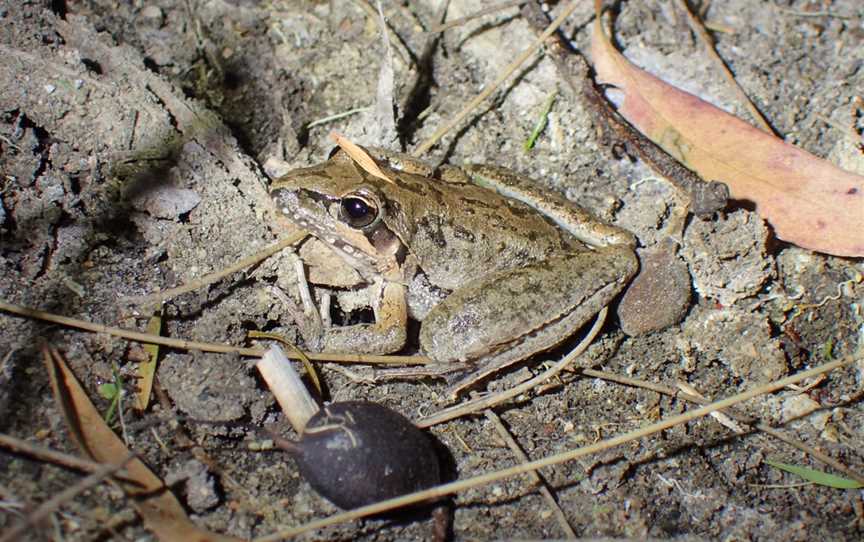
(518, 270)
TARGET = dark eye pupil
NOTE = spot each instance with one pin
(355, 208)
(357, 212)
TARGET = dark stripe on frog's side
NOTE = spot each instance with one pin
(432, 225)
(470, 203)
(424, 188)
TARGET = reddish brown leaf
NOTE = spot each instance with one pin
(161, 511)
(809, 201)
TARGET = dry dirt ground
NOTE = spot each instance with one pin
(132, 141)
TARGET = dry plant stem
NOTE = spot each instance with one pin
(159, 297)
(505, 73)
(697, 27)
(49, 506)
(477, 14)
(543, 486)
(285, 384)
(359, 156)
(476, 405)
(705, 198)
(22, 446)
(743, 418)
(202, 346)
(468, 483)
(392, 36)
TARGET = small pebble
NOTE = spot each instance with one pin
(659, 296)
(50, 88)
(153, 15)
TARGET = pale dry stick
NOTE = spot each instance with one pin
(484, 479)
(476, 15)
(202, 346)
(743, 418)
(392, 36)
(505, 73)
(800, 13)
(337, 116)
(48, 455)
(476, 405)
(542, 485)
(159, 297)
(49, 506)
(697, 27)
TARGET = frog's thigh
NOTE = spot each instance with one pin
(386, 335)
(500, 310)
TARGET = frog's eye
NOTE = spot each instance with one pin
(358, 212)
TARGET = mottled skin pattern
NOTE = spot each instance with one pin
(524, 270)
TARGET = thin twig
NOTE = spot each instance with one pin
(484, 479)
(392, 36)
(541, 482)
(743, 418)
(697, 27)
(183, 344)
(505, 73)
(159, 297)
(481, 403)
(49, 506)
(337, 116)
(476, 15)
(22, 446)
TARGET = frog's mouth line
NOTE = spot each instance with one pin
(309, 210)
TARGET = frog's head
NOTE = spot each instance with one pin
(337, 203)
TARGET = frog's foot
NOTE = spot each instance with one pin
(386, 335)
(530, 344)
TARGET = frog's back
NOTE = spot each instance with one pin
(461, 232)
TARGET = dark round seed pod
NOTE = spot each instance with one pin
(356, 453)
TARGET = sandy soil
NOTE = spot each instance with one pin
(132, 142)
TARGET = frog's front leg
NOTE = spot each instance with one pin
(385, 336)
(511, 315)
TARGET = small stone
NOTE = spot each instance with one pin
(78, 83)
(153, 16)
(169, 201)
(798, 406)
(659, 295)
(50, 89)
(727, 256)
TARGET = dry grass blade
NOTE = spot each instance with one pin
(147, 369)
(161, 511)
(17, 445)
(359, 156)
(159, 297)
(541, 482)
(477, 14)
(52, 504)
(697, 26)
(481, 403)
(505, 73)
(468, 483)
(763, 427)
(202, 346)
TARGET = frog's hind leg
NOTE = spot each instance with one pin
(511, 315)
(530, 344)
